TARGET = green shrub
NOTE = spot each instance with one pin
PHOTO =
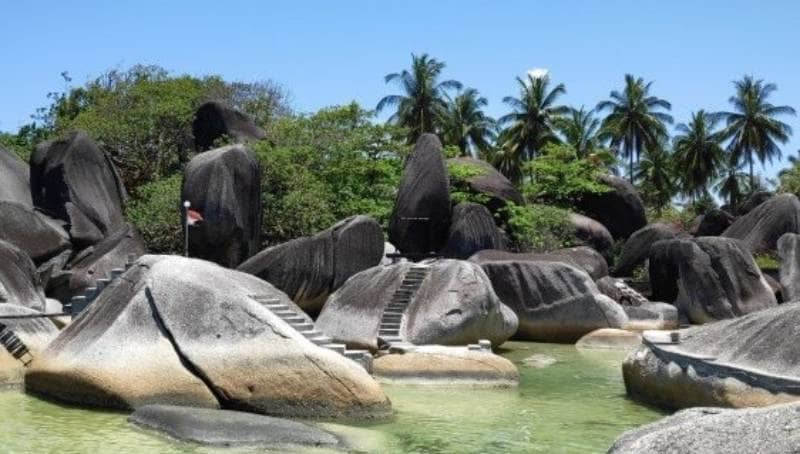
(460, 190)
(155, 211)
(558, 177)
(538, 228)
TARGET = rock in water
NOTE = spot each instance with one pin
(581, 257)
(789, 253)
(620, 209)
(554, 302)
(714, 222)
(421, 215)
(214, 120)
(472, 230)
(224, 186)
(230, 428)
(33, 232)
(309, 269)
(715, 430)
(181, 331)
(14, 179)
(35, 333)
(19, 282)
(762, 226)
(610, 339)
(753, 360)
(74, 181)
(593, 234)
(488, 181)
(454, 305)
(637, 247)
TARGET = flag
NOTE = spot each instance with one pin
(193, 217)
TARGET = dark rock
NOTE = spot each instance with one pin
(35, 333)
(471, 230)
(421, 215)
(454, 305)
(214, 120)
(620, 209)
(33, 232)
(224, 186)
(74, 181)
(229, 428)
(581, 257)
(608, 287)
(19, 282)
(663, 270)
(14, 179)
(637, 248)
(755, 199)
(593, 234)
(760, 228)
(789, 253)
(714, 222)
(490, 183)
(309, 269)
(554, 302)
(180, 331)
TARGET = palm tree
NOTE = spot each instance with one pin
(422, 105)
(698, 153)
(752, 127)
(655, 172)
(533, 121)
(581, 130)
(731, 184)
(635, 123)
(506, 161)
(466, 125)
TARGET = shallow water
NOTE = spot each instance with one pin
(576, 404)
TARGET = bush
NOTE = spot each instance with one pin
(460, 190)
(558, 177)
(155, 211)
(538, 228)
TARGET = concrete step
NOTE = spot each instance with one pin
(320, 340)
(294, 319)
(392, 317)
(388, 332)
(389, 325)
(303, 326)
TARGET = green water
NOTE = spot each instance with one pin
(575, 405)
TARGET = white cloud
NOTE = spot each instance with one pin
(538, 73)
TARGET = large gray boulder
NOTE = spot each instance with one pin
(715, 430)
(421, 215)
(472, 230)
(308, 269)
(789, 253)
(35, 233)
(761, 227)
(755, 199)
(581, 257)
(224, 186)
(620, 208)
(74, 181)
(713, 223)
(230, 428)
(593, 234)
(554, 302)
(14, 179)
(35, 333)
(753, 360)
(454, 305)
(179, 331)
(637, 247)
(19, 283)
(486, 180)
(214, 121)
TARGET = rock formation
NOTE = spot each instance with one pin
(637, 248)
(19, 283)
(789, 253)
(593, 234)
(760, 228)
(33, 232)
(620, 209)
(713, 223)
(14, 179)
(214, 121)
(35, 334)
(489, 182)
(471, 230)
(581, 257)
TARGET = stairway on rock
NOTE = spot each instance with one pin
(392, 317)
(79, 303)
(300, 323)
(14, 345)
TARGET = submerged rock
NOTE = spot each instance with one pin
(180, 331)
(760, 228)
(230, 428)
(309, 269)
(33, 232)
(35, 333)
(620, 208)
(214, 120)
(581, 257)
(14, 179)
(610, 339)
(472, 230)
(224, 186)
(637, 247)
(19, 282)
(554, 302)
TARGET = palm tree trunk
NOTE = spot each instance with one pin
(752, 185)
(630, 167)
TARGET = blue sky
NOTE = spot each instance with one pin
(329, 52)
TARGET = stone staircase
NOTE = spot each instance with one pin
(80, 302)
(300, 323)
(389, 330)
(14, 345)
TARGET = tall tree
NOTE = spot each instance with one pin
(635, 122)
(465, 125)
(581, 130)
(698, 153)
(732, 185)
(752, 126)
(656, 173)
(533, 122)
(422, 105)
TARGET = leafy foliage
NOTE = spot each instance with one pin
(558, 176)
(155, 211)
(698, 153)
(465, 125)
(538, 228)
(460, 190)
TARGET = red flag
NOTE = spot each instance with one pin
(193, 217)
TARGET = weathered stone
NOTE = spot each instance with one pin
(214, 121)
(713, 223)
(581, 257)
(35, 333)
(651, 315)
(755, 199)
(14, 179)
(489, 182)
(19, 283)
(421, 215)
(33, 232)
(554, 302)
(611, 339)
(760, 228)
(620, 209)
(74, 181)
(637, 247)
(472, 230)
(454, 305)
(230, 428)
(224, 186)
(309, 269)
(593, 234)
(789, 253)
(180, 331)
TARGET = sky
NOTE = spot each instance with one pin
(332, 52)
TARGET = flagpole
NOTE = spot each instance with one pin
(186, 205)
